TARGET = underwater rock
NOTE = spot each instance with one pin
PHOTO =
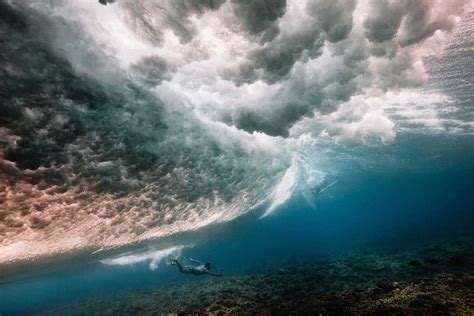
(386, 287)
(415, 263)
(460, 260)
(431, 260)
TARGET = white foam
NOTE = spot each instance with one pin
(154, 256)
(284, 190)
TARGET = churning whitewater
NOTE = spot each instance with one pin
(140, 119)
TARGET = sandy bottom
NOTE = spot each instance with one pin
(427, 280)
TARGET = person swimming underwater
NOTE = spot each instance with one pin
(200, 269)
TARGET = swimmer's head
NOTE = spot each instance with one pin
(208, 266)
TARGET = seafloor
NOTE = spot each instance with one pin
(431, 279)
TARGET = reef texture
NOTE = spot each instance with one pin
(423, 281)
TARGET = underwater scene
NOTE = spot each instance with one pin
(235, 157)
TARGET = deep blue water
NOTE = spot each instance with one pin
(392, 206)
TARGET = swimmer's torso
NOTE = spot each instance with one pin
(195, 270)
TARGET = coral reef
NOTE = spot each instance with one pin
(379, 283)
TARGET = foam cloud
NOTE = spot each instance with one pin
(379, 25)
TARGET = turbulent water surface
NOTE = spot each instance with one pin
(129, 123)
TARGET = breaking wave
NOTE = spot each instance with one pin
(140, 119)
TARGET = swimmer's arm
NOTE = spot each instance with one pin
(214, 274)
(196, 261)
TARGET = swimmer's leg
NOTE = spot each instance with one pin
(175, 262)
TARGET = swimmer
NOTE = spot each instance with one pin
(199, 268)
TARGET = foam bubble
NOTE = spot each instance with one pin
(154, 256)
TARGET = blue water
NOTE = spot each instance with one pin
(371, 208)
